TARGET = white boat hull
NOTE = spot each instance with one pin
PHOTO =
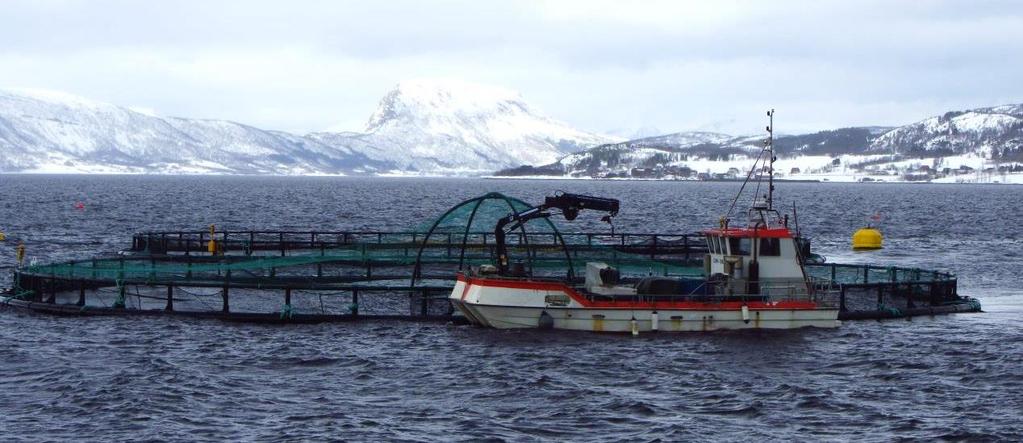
(500, 304)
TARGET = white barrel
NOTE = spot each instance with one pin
(653, 321)
(745, 314)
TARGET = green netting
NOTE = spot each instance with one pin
(863, 274)
(265, 269)
(461, 237)
(113, 269)
(548, 259)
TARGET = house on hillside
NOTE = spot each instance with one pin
(643, 173)
(679, 171)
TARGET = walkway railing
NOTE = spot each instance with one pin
(283, 242)
(886, 287)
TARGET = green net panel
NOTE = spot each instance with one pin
(461, 237)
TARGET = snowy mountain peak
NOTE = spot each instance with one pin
(422, 126)
(443, 98)
(957, 132)
(1016, 109)
(52, 97)
(684, 139)
(458, 127)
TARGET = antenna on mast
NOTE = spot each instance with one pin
(772, 158)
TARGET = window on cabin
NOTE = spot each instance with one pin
(739, 246)
(770, 247)
(712, 245)
(718, 247)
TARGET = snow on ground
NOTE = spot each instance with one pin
(1012, 178)
(62, 168)
(846, 168)
(540, 177)
(783, 167)
(980, 122)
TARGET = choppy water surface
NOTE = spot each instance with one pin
(953, 377)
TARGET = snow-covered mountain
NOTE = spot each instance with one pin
(455, 127)
(963, 140)
(52, 132)
(959, 132)
(426, 127)
(650, 152)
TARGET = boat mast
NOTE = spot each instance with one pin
(772, 158)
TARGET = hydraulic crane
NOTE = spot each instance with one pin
(568, 204)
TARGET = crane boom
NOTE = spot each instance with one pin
(568, 204)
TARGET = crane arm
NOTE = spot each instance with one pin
(568, 204)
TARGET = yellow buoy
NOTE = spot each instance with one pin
(212, 245)
(866, 238)
(20, 253)
(2, 236)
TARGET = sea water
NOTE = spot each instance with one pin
(952, 377)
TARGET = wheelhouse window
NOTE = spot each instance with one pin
(739, 246)
(770, 247)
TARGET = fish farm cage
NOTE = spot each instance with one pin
(317, 276)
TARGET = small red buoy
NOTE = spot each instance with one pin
(80, 206)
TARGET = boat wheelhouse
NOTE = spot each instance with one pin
(762, 260)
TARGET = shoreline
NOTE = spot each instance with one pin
(494, 177)
(739, 180)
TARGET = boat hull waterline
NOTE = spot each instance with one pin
(510, 304)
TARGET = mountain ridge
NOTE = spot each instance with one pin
(441, 124)
(421, 126)
(962, 139)
(436, 127)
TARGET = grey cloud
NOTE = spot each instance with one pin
(664, 65)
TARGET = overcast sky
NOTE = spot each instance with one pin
(599, 65)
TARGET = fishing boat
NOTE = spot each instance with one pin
(753, 277)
